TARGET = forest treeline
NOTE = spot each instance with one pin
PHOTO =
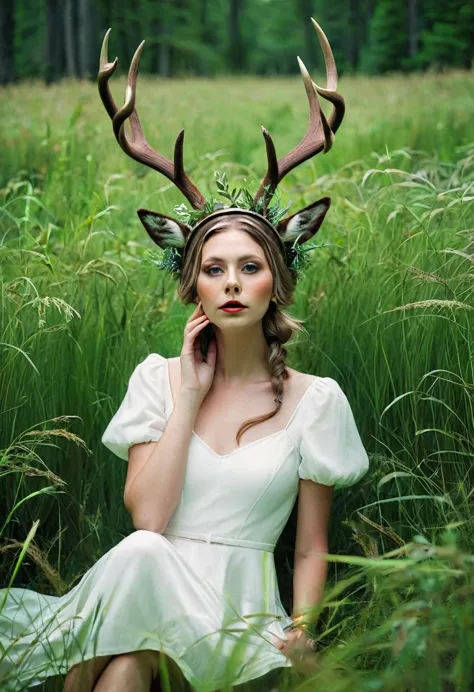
(52, 39)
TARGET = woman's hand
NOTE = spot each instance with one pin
(196, 373)
(300, 648)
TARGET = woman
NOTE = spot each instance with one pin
(214, 470)
(209, 494)
(228, 461)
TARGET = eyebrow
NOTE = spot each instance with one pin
(239, 259)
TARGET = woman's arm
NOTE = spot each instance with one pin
(155, 479)
(310, 569)
(309, 579)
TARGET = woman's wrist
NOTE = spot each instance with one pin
(189, 399)
(186, 407)
(300, 622)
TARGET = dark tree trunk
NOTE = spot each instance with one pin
(122, 36)
(305, 9)
(370, 9)
(413, 28)
(7, 33)
(160, 29)
(107, 13)
(54, 49)
(353, 36)
(366, 11)
(236, 43)
(70, 37)
(86, 50)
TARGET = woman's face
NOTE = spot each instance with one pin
(234, 267)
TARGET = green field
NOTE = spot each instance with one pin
(388, 305)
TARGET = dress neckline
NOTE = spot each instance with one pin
(248, 444)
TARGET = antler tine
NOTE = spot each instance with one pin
(320, 133)
(106, 70)
(128, 111)
(137, 146)
(272, 169)
(330, 92)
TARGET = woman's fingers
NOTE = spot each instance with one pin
(196, 312)
(197, 321)
(193, 323)
(196, 329)
(192, 326)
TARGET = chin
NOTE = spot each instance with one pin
(228, 322)
(224, 322)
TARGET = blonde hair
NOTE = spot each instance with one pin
(278, 327)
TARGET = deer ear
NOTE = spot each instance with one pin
(163, 230)
(305, 223)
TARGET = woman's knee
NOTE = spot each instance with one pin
(83, 675)
(146, 658)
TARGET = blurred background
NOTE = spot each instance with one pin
(52, 39)
(387, 300)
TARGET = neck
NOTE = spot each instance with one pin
(242, 356)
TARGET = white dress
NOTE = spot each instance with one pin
(205, 591)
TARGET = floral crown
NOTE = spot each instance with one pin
(172, 234)
(241, 202)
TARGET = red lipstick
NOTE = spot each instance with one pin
(230, 308)
(233, 306)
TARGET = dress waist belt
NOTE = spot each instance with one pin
(212, 538)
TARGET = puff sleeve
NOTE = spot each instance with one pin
(141, 416)
(331, 450)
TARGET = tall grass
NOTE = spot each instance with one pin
(389, 311)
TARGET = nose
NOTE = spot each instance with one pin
(232, 286)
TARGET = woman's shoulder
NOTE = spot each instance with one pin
(154, 358)
(305, 381)
(149, 368)
(299, 378)
(150, 379)
(314, 394)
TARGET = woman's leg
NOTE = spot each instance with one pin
(133, 671)
(82, 676)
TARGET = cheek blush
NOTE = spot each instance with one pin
(261, 287)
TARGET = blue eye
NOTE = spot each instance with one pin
(249, 264)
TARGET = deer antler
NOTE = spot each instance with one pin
(320, 133)
(137, 146)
